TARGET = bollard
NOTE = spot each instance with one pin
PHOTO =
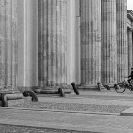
(75, 88)
(99, 86)
(61, 92)
(32, 94)
(4, 100)
(106, 86)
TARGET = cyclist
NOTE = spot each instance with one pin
(131, 77)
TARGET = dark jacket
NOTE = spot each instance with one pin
(131, 75)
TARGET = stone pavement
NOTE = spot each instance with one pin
(75, 120)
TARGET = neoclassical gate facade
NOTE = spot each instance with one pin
(56, 42)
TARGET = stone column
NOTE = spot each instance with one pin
(122, 64)
(130, 51)
(28, 44)
(8, 43)
(90, 42)
(109, 43)
(73, 42)
(52, 34)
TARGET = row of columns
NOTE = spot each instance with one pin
(104, 58)
(50, 51)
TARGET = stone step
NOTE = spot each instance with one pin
(127, 112)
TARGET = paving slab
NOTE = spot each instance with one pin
(127, 112)
(70, 121)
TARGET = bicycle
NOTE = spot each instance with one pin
(122, 86)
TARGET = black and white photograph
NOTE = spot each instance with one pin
(66, 66)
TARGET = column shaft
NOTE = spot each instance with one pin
(73, 42)
(122, 64)
(27, 43)
(130, 52)
(52, 42)
(8, 43)
(109, 46)
(90, 42)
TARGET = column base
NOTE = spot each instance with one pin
(25, 88)
(95, 87)
(46, 89)
(53, 89)
(88, 87)
(110, 85)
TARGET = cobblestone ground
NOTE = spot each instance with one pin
(113, 103)
(90, 106)
(108, 97)
(73, 107)
(22, 129)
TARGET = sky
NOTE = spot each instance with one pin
(129, 4)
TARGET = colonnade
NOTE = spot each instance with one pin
(63, 41)
(111, 47)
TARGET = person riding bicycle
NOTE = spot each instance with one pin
(131, 77)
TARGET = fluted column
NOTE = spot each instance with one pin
(27, 44)
(8, 43)
(130, 50)
(109, 43)
(73, 42)
(90, 42)
(52, 33)
(122, 64)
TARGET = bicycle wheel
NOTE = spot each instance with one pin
(120, 88)
(131, 86)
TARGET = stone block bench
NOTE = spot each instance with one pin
(6, 95)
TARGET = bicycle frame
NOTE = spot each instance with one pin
(122, 86)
